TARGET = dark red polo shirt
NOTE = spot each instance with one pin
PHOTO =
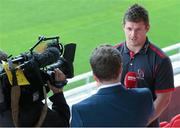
(152, 65)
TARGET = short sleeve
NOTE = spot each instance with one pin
(164, 78)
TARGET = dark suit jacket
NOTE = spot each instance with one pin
(114, 106)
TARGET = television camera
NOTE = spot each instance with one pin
(31, 70)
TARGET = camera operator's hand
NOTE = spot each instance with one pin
(59, 76)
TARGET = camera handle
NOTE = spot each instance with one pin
(42, 38)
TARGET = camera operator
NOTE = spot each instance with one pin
(29, 114)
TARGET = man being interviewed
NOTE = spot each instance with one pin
(113, 104)
(152, 66)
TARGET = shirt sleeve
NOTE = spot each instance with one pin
(164, 79)
(61, 107)
(76, 120)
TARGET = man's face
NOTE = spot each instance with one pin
(135, 33)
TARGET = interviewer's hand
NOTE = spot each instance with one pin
(59, 76)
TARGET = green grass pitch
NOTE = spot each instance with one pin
(87, 23)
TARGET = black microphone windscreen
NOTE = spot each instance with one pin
(49, 56)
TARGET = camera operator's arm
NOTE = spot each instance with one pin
(58, 99)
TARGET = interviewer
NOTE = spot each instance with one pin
(113, 105)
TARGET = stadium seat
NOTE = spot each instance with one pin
(175, 122)
(163, 124)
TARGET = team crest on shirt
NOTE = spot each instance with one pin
(140, 74)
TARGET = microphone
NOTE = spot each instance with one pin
(130, 80)
(49, 56)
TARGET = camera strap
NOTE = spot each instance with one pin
(45, 107)
(44, 110)
(15, 95)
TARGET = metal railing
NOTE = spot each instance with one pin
(175, 57)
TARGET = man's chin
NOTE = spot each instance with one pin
(133, 43)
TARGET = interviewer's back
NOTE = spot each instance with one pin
(114, 106)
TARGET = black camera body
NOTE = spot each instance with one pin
(38, 69)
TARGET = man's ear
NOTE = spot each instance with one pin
(147, 27)
(95, 77)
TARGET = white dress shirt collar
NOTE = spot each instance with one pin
(108, 85)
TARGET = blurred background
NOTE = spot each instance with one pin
(87, 23)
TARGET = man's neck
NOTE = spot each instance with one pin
(135, 49)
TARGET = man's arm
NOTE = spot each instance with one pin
(59, 102)
(164, 86)
(160, 104)
(61, 107)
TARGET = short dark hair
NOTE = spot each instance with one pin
(106, 62)
(136, 13)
